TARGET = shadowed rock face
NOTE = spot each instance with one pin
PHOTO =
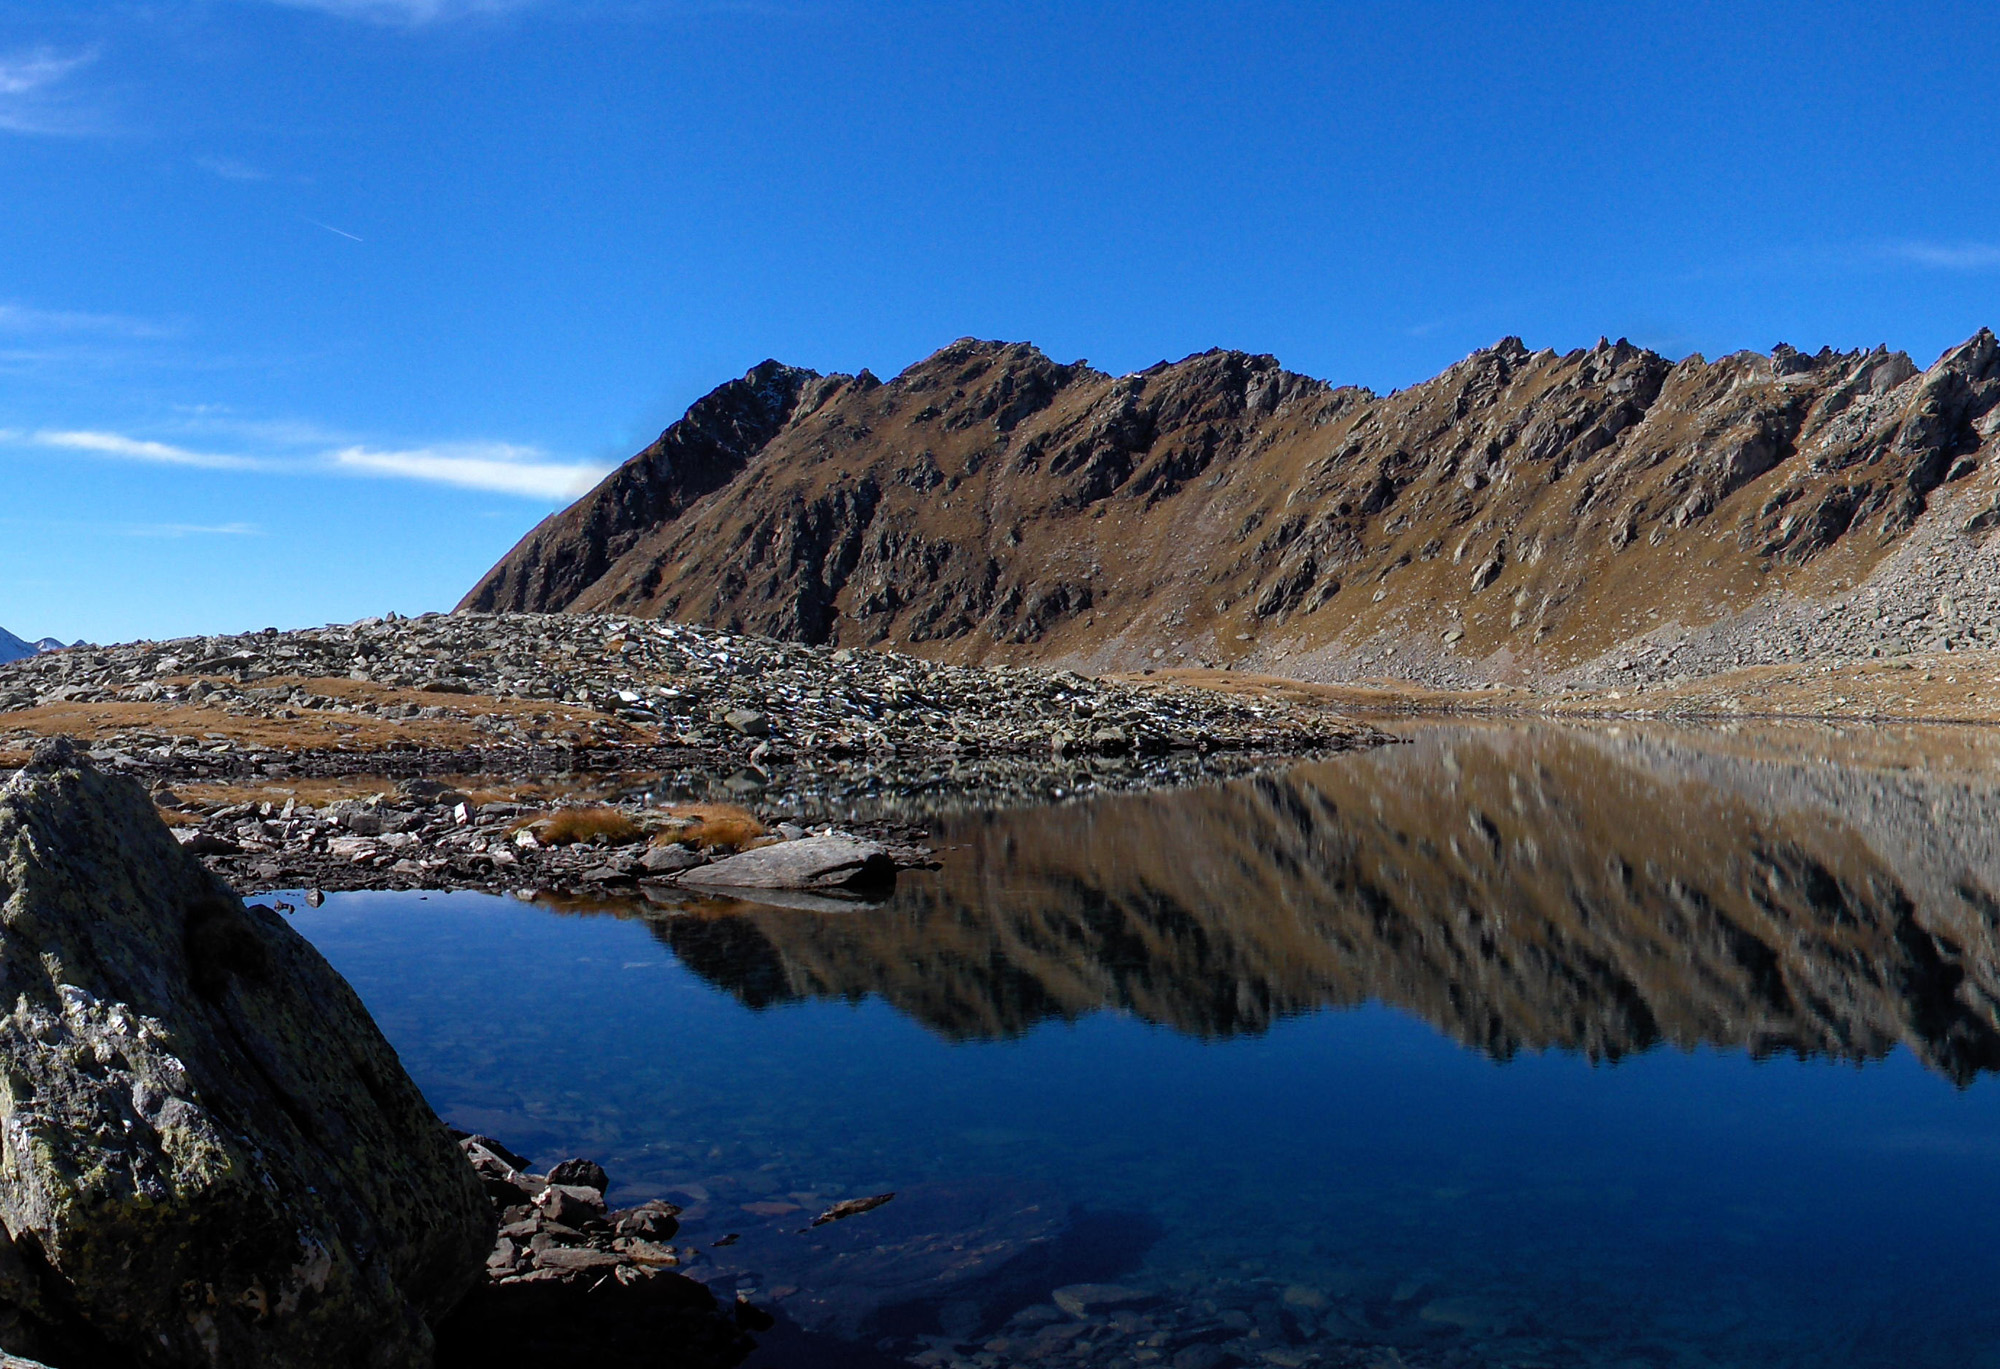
(992, 503)
(1523, 889)
(211, 1155)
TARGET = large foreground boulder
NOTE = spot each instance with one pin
(208, 1153)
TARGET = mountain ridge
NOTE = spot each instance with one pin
(1522, 515)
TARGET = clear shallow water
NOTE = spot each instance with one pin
(1504, 1048)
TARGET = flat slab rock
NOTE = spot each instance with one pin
(823, 862)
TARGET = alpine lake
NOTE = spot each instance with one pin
(1514, 1044)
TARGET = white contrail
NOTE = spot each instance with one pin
(330, 228)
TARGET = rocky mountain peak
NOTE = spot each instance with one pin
(570, 550)
(1524, 515)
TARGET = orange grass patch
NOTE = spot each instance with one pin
(568, 826)
(710, 826)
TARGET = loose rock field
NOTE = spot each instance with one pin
(409, 753)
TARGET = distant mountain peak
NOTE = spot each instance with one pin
(14, 648)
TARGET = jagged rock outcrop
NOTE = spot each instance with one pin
(211, 1155)
(1524, 511)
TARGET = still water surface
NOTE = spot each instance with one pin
(1516, 1046)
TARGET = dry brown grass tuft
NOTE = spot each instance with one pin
(567, 826)
(710, 826)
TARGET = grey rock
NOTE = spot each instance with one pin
(1111, 741)
(571, 1204)
(576, 1260)
(582, 1174)
(199, 843)
(212, 1151)
(671, 860)
(748, 721)
(825, 862)
(653, 1220)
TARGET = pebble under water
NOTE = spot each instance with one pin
(1513, 1046)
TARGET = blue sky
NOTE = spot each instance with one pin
(309, 310)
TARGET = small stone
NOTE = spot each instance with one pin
(650, 1253)
(748, 721)
(655, 1220)
(570, 1204)
(581, 1174)
(1111, 741)
(853, 1207)
(671, 859)
(1089, 1299)
(575, 1259)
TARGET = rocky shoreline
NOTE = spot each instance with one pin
(572, 1281)
(424, 835)
(409, 753)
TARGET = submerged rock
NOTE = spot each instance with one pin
(823, 862)
(212, 1157)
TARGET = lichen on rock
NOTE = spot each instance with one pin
(209, 1155)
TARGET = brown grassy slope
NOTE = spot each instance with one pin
(307, 731)
(990, 503)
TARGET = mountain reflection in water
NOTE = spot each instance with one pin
(1518, 888)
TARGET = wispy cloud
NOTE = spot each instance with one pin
(136, 449)
(167, 530)
(31, 96)
(409, 12)
(229, 169)
(1947, 256)
(492, 466)
(18, 318)
(186, 530)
